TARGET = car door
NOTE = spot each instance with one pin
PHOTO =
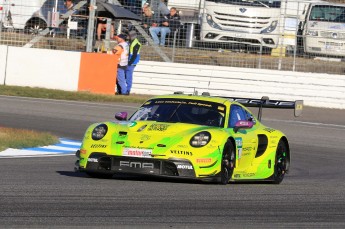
(246, 139)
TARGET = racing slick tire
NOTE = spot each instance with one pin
(228, 163)
(281, 162)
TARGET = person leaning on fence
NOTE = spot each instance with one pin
(121, 52)
(133, 60)
(170, 23)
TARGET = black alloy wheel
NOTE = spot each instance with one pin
(35, 27)
(281, 162)
(228, 163)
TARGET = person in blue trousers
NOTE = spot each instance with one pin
(133, 58)
(170, 23)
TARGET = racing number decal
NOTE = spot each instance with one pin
(239, 147)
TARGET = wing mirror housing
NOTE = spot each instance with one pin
(121, 116)
(243, 125)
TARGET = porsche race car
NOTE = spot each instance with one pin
(215, 139)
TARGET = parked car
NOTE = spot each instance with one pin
(34, 16)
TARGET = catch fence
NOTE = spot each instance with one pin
(292, 35)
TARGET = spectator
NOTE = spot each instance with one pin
(121, 53)
(102, 27)
(69, 4)
(134, 57)
(170, 22)
(147, 19)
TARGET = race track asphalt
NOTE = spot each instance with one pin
(46, 192)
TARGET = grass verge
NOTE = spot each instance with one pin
(68, 95)
(21, 138)
(18, 138)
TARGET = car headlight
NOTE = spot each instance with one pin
(200, 139)
(210, 21)
(312, 33)
(270, 28)
(99, 132)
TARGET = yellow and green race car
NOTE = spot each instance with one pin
(188, 136)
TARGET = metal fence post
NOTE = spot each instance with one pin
(91, 26)
(174, 46)
(260, 57)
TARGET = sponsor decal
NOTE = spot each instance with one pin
(337, 27)
(220, 108)
(239, 147)
(98, 146)
(82, 151)
(145, 137)
(269, 130)
(182, 146)
(92, 159)
(247, 148)
(203, 160)
(237, 176)
(245, 154)
(184, 167)
(135, 152)
(142, 128)
(137, 164)
(158, 127)
(181, 152)
(248, 174)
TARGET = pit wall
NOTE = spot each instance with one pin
(94, 72)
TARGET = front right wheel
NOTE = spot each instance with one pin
(228, 163)
(281, 162)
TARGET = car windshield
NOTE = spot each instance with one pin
(182, 110)
(327, 13)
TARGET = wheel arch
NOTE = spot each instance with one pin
(33, 19)
(232, 140)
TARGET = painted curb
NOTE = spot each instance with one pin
(64, 147)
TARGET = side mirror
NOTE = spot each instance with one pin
(121, 116)
(242, 124)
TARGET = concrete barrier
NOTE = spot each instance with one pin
(318, 90)
(43, 68)
(93, 72)
(63, 70)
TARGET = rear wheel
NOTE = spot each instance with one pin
(228, 163)
(281, 162)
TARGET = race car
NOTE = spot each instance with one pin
(216, 139)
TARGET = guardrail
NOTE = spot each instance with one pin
(95, 72)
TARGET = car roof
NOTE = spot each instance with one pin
(194, 97)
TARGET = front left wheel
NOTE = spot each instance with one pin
(228, 163)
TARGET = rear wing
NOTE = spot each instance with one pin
(265, 102)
